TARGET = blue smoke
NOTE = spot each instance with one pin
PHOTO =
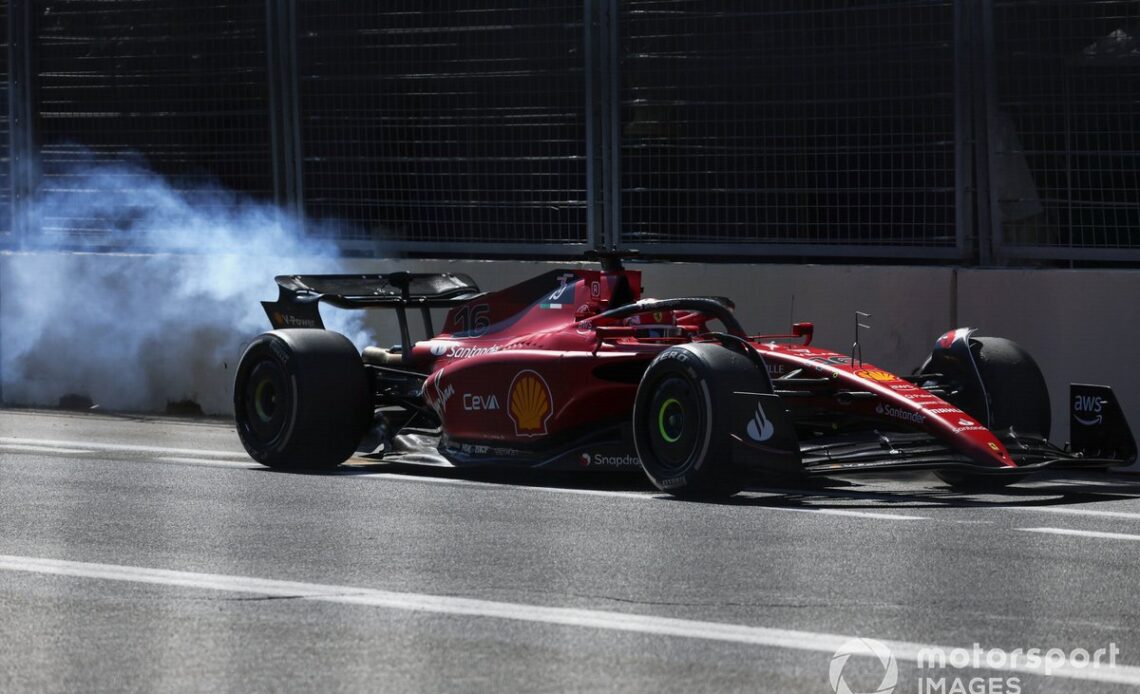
(165, 315)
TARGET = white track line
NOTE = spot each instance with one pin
(1069, 483)
(122, 447)
(841, 512)
(557, 616)
(189, 456)
(1082, 533)
(628, 495)
(211, 462)
(30, 448)
(1074, 512)
(397, 477)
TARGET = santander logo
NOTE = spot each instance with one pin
(760, 428)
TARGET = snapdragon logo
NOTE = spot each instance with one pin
(839, 672)
(595, 459)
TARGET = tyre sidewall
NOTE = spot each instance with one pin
(328, 399)
(713, 372)
(685, 366)
(267, 350)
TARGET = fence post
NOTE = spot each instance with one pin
(985, 101)
(284, 108)
(964, 180)
(23, 164)
(603, 123)
(611, 108)
(22, 154)
(595, 221)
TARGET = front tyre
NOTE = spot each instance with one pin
(301, 399)
(1013, 395)
(681, 435)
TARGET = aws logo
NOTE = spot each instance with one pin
(530, 403)
(1088, 409)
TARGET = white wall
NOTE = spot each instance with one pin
(1081, 325)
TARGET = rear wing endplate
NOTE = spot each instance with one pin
(299, 296)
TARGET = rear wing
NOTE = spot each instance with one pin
(299, 296)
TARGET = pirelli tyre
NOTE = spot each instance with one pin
(1014, 396)
(301, 399)
(681, 423)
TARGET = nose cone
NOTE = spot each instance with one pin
(986, 449)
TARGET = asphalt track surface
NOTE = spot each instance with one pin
(150, 555)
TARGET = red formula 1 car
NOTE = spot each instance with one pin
(574, 370)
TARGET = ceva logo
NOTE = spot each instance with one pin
(473, 403)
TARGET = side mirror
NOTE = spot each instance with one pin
(804, 330)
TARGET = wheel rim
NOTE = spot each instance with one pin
(671, 420)
(267, 402)
(674, 422)
(265, 399)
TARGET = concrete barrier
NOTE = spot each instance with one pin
(1080, 325)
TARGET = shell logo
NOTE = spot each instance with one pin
(530, 403)
(872, 375)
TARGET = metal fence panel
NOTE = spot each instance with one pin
(1065, 128)
(445, 125)
(788, 128)
(183, 84)
(789, 122)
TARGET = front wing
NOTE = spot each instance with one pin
(876, 452)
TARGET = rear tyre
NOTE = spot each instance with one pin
(1015, 397)
(301, 399)
(681, 438)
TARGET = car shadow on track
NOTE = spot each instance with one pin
(618, 481)
(925, 491)
(913, 490)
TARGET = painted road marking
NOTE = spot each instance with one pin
(654, 495)
(497, 485)
(557, 616)
(1075, 512)
(212, 462)
(840, 512)
(30, 448)
(1069, 483)
(215, 458)
(1083, 533)
(92, 446)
